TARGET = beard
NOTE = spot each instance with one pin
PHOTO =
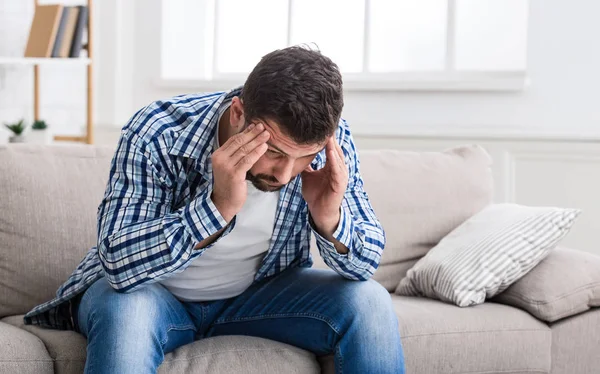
(264, 182)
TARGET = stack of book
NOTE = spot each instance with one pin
(57, 31)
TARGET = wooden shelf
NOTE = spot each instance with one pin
(70, 138)
(82, 61)
(30, 61)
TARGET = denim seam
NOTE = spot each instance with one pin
(177, 328)
(204, 310)
(338, 355)
(285, 315)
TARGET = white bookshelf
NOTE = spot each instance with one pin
(35, 63)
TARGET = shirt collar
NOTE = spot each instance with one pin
(196, 141)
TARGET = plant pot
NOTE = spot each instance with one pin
(39, 136)
(17, 139)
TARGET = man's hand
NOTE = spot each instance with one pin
(323, 190)
(230, 163)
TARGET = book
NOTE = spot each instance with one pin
(61, 30)
(69, 32)
(43, 30)
(82, 21)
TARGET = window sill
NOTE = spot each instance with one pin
(434, 82)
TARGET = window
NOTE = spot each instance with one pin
(378, 44)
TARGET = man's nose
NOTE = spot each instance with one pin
(283, 171)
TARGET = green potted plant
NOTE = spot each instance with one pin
(39, 125)
(18, 129)
(40, 133)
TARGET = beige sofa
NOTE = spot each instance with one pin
(48, 201)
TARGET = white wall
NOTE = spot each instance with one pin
(563, 60)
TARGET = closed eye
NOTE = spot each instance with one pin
(274, 153)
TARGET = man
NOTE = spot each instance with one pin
(205, 227)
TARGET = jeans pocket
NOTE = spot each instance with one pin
(177, 336)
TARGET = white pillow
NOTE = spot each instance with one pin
(487, 253)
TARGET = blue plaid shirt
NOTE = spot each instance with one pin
(157, 208)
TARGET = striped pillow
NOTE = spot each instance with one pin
(487, 253)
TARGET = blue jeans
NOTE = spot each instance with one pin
(313, 309)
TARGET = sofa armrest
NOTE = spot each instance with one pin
(565, 283)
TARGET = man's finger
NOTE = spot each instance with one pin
(245, 149)
(235, 142)
(225, 146)
(246, 162)
(333, 161)
(338, 165)
(329, 148)
(340, 153)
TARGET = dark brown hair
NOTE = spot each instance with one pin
(300, 89)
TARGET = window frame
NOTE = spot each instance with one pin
(448, 79)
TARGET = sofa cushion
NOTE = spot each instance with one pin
(420, 197)
(22, 352)
(239, 354)
(66, 348)
(576, 343)
(50, 196)
(487, 338)
(487, 253)
(221, 354)
(565, 283)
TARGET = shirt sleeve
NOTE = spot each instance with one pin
(358, 229)
(140, 239)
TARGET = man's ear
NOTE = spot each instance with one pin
(236, 114)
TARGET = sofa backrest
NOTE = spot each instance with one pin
(49, 196)
(420, 197)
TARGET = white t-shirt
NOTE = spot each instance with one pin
(228, 267)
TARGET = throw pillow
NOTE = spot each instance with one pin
(487, 253)
(566, 283)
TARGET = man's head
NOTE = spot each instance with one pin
(296, 93)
